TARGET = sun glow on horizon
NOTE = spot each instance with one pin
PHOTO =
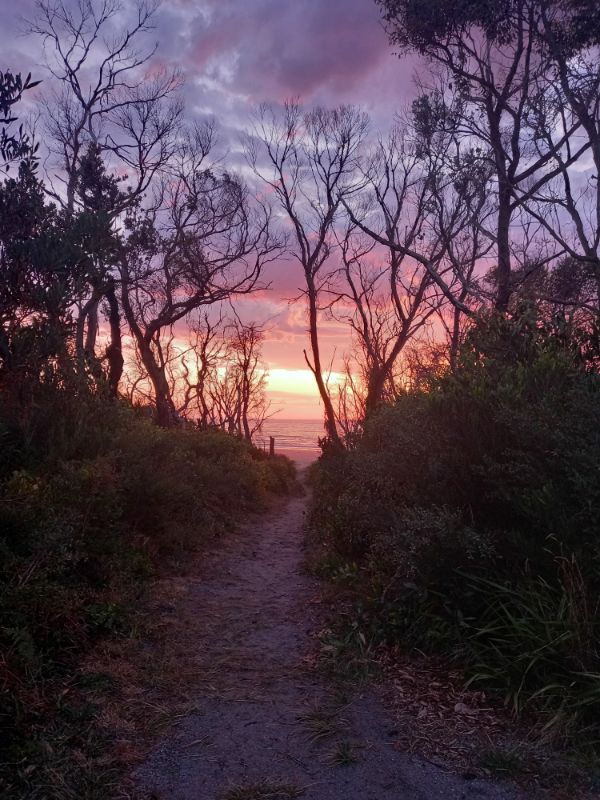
(297, 381)
(294, 394)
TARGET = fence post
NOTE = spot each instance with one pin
(271, 445)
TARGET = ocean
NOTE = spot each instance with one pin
(291, 434)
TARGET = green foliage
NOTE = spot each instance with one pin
(540, 642)
(14, 145)
(412, 24)
(343, 754)
(422, 26)
(92, 503)
(473, 512)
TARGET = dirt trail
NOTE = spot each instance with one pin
(261, 707)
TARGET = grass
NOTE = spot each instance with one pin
(322, 723)
(346, 653)
(263, 790)
(343, 754)
(502, 762)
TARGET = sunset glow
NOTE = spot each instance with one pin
(299, 380)
(230, 54)
(294, 394)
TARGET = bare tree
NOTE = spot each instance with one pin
(208, 352)
(310, 160)
(427, 213)
(246, 343)
(218, 379)
(206, 242)
(95, 51)
(386, 296)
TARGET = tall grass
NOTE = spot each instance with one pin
(539, 645)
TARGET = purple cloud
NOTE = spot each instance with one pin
(297, 48)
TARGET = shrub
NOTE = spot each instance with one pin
(86, 515)
(463, 503)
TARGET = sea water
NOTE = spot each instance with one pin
(290, 434)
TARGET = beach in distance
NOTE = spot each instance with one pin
(296, 438)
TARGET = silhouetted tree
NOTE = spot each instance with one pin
(207, 242)
(14, 145)
(104, 107)
(311, 165)
(489, 56)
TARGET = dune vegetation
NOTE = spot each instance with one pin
(446, 319)
(465, 519)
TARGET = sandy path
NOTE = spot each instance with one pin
(257, 613)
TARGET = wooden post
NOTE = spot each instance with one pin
(271, 445)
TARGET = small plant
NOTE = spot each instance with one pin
(321, 723)
(343, 754)
(263, 790)
(347, 572)
(347, 653)
(507, 763)
(105, 618)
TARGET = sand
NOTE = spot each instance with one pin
(258, 695)
(302, 458)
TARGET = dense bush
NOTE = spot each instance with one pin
(92, 500)
(473, 512)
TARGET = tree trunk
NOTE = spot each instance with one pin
(165, 412)
(81, 340)
(455, 338)
(245, 404)
(375, 388)
(92, 328)
(503, 273)
(114, 351)
(330, 426)
(382, 370)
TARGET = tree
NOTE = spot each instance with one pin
(246, 344)
(205, 241)
(216, 379)
(225, 384)
(103, 94)
(310, 162)
(387, 294)
(105, 109)
(489, 58)
(14, 146)
(100, 196)
(568, 207)
(427, 212)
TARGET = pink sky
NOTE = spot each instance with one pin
(235, 54)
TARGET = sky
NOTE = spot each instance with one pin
(235, 54)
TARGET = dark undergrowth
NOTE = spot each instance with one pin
(95, 502)
(465, 523)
